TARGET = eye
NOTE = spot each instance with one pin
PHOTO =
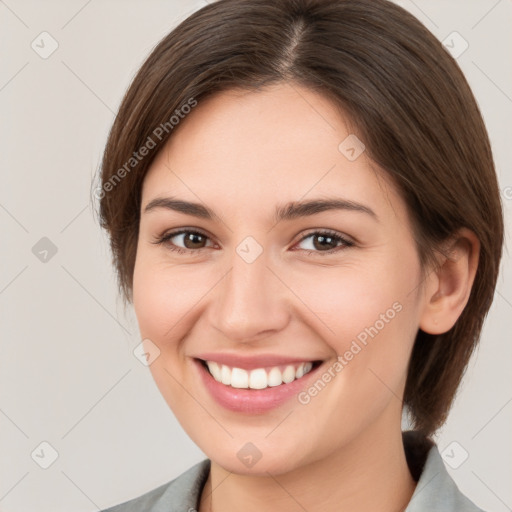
(192, 240)
(325, 242)
(320, 242)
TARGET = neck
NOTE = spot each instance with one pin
(370, 474)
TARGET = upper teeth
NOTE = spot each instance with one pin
(259, 378)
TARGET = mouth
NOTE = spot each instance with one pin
(255, 390)
(258, 378)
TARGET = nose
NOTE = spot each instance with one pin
(251, 301)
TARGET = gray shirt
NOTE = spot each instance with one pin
(435, 489)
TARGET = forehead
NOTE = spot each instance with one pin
(252, 150)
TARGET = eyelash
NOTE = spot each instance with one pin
(332, 234)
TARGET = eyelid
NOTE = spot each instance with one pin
(326, 231)
(167, 235)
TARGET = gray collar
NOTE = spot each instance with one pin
(435, 489)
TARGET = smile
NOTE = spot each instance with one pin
(255, 384)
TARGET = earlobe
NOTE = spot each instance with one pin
(449, 285)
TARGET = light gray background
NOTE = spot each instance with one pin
(68, 375)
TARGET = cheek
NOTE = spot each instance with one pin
(368, 317)
(162, 297)
(352, 303)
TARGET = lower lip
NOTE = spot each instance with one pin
(252, 401)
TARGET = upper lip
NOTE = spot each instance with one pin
(252, 362)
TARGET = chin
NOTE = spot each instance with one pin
(246, 459)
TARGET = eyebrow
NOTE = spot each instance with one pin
(289, 211)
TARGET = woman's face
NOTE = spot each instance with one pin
(252, 280)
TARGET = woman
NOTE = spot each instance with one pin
(304, 212)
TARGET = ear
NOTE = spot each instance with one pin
(448, 286)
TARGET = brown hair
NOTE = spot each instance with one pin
(405, 94)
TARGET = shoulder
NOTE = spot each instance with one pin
(435, 488)
(181, 494)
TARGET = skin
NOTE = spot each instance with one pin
(242, 154)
